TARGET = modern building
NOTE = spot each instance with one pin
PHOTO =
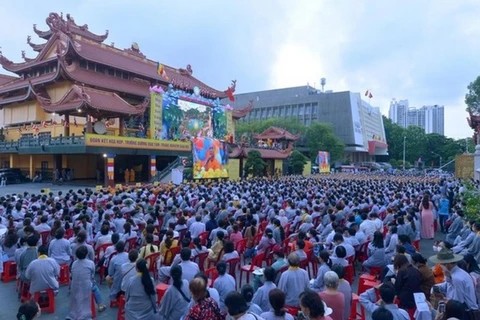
(429, 118)
(91, 108)
(358, 124)
(398, 112)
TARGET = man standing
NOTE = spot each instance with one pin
(43, 272)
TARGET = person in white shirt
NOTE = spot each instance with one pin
(197, 227)
(368, 226)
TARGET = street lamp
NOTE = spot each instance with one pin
(436, 154)
(404, 142)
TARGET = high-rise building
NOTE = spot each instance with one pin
(398, 112)
(429, 118)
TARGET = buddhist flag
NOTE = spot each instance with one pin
(370, 95)
(161, 70)
(366, 93)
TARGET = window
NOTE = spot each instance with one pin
(91, 65)
(100, 68)
(118, 73)
(287, 111)
(294, 110)
(307, 109)
(314, 108)
(111, 72)
(301, 110)
(269, 112)
(125, 75)
(282, 111)
(275, 112)
(83, 64)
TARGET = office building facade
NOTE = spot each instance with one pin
(354, 121)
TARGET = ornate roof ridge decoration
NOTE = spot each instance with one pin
(277, 133)
(56, 23)
(188, 71)
(35, 47)
(24, 57)
(135, 50)
(240, 113)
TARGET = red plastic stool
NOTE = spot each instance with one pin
(45, 305)
(121, 308)
(9, 271)
(376, 271)
(292, 310)
(64, 278)
(365, 285)
(416, 244)
(354, 315)
(25, 292)
(366, 276)
(92, 305)
(161, 288)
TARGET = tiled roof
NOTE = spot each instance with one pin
(96, 101)
(6, 79)
(277, 133)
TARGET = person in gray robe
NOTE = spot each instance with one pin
(83, 273)
(189, 268)
(455, 228)
(224, 284)
(42, 272)
(177, 298)
(140, 296)
(115, 269)
(293, 281)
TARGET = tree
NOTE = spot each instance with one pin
(255, 164)
(472, 98)
(320, 137)
(297, 162)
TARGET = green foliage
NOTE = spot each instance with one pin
(471, 197)
(255, 164)
(320, 137)
(429, 147)
(219, 125)
(297, 162)
(472, 98)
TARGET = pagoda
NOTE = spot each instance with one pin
(78, 85)
(275, 146)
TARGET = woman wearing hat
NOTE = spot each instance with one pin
(459, 284)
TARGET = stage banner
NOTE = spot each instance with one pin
(153, 165)
(156, 110)
(210, 158)
(230, 123)
(323, 161)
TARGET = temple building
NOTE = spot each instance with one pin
(84, 107)
(275, 146)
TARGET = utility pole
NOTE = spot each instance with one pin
(404, 141)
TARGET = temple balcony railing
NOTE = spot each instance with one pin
(35, 145)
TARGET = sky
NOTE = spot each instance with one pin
(425, 51)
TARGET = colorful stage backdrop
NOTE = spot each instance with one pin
(323, 161)
(210, 158)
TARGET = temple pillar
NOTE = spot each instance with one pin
(66, 127)
(476, 163)
(89, 124)
(31, 167)
(153, 167)
(109, 170)
(12, 165)
(121, 126)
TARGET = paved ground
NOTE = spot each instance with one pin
(8, 297)
(37, 187)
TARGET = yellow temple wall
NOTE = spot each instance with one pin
(464, 166)
(84, 166)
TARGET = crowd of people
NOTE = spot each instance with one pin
(292, 242)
